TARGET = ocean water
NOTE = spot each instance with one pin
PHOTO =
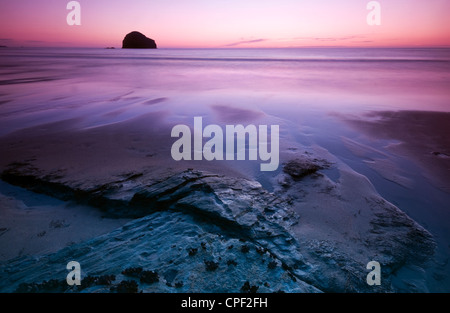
(39, 85)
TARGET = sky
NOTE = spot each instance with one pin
(226, 23)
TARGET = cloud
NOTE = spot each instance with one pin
(327, 39)
(245, 42)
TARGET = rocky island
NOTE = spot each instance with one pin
(137, 40)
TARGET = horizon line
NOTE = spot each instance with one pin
(237, 48)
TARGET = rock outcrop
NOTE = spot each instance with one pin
(137, 40)
(299, 168)
(196, 231)
(196, 227)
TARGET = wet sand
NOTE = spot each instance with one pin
(422, 137)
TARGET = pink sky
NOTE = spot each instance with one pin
(226, 23)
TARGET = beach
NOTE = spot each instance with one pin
(87, 172)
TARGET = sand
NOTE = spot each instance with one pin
(423, 138)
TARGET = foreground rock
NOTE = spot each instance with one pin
(301, 167)
(201, 232)
(181, 255)
(137, 40)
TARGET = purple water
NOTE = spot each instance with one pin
(40, 85)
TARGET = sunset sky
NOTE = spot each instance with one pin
(226, 23)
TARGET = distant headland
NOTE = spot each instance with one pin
(137, 40)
